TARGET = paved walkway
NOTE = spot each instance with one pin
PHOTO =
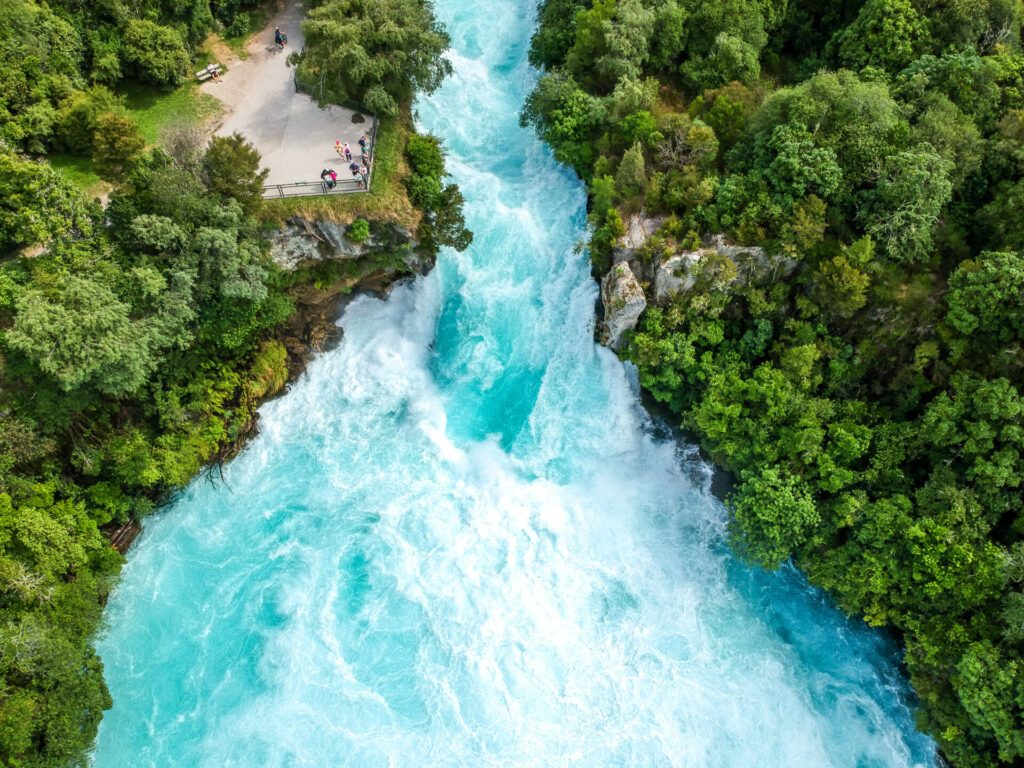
(294, 136)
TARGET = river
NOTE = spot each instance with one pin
(457, 541)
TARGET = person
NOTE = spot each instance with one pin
(354, 167)
(338, 148)
(364, 172)
(348, 152)
(280, 38)
(363, 141)
(328, 177)
(214, 73)
(334, 177)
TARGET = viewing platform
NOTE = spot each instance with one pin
(294, 136)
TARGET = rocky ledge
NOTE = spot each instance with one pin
(329, 270)
(650, 269)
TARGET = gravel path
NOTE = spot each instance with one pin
(294, 136)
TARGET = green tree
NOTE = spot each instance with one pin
(372, 52)
(555, 33)
(772, 515)
(839, 288)
(443, 222)
(37, 205)
(232, 168)
(953, 135)
(903, 209)
(156, 53)
(991, 686)
(566, 117)
(888, 34)
(794, 167)
(117, 144)
(730, 58)
(631, 177)
(78, 117)
(1002, 225)
(82, 334)
(859, 121)
(985, 298)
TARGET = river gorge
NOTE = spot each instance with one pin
(458, 540)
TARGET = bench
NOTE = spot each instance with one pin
(207, 72)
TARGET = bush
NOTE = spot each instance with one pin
(232, 168)
(358, 230)
(77, 118)
(117, 143)
(156, 53)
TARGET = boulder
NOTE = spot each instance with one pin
(676, 274)
(639, 228)
(624, 302)
(679, 272)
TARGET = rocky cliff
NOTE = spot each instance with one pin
(326, 268)
(650, 268)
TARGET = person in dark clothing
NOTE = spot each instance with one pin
(280, 38)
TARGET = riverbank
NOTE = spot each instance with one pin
(818, 285)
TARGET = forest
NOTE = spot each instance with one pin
(867, 398)
(137, 333)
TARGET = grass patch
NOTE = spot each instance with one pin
(387, 199)
(79, 171)
(154, 109)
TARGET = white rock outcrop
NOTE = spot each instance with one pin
(301, 242)
(639, 229)
(624, 302)
(678, 273)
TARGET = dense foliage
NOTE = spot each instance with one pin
(56, 56)
(136, 338)
(374, 53)
(863, 381)
(133, 350)
(443, 222)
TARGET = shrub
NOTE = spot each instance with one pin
(117, 143)
(358, 230)
(156, 53)
(78, 115)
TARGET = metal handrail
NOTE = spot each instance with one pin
(310, 188)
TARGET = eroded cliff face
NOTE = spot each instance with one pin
(302, 243)
(649, 268)
(327, 269)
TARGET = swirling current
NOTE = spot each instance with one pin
(458, 541)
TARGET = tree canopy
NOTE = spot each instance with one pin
(862, 377)
(374, 53)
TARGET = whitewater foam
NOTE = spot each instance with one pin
(457, 543)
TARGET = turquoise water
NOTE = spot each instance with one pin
(457, 543)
